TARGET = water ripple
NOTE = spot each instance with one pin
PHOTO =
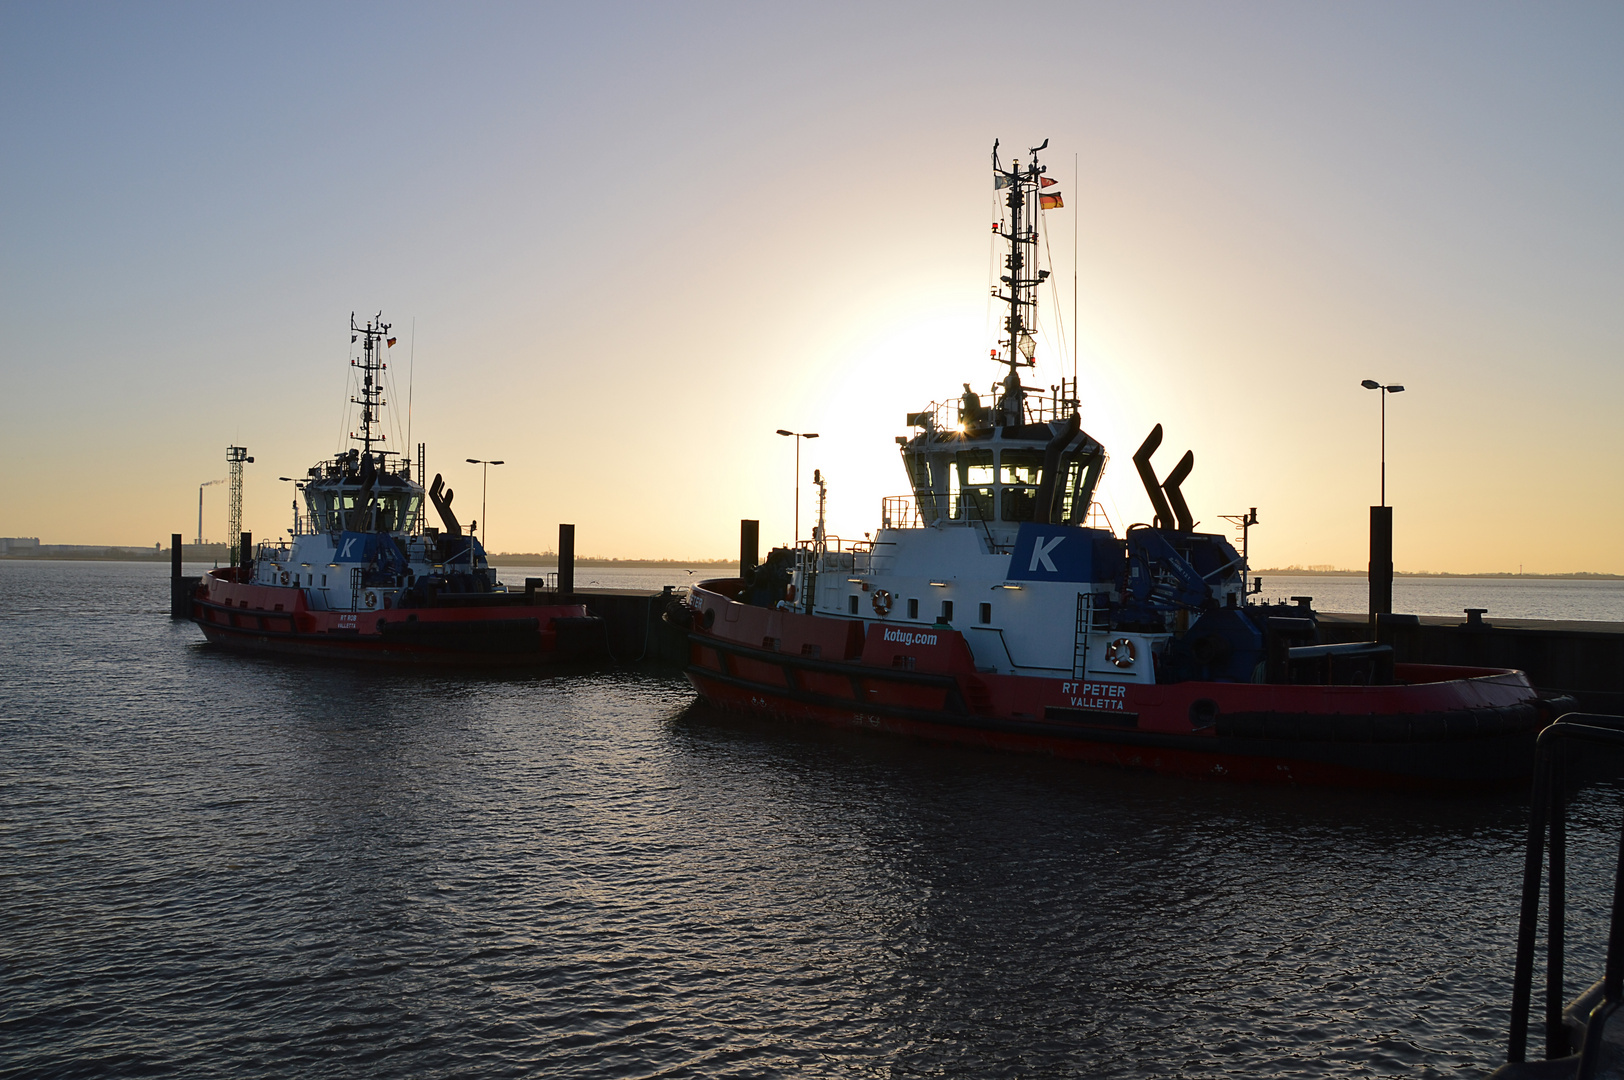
(217, 866)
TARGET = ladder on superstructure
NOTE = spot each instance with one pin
(1085, 623)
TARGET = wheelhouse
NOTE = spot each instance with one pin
(962, 468)
(346, 495)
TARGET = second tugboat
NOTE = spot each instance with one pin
(996, 606)
(363, 576)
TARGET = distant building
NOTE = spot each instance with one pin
(29, 547)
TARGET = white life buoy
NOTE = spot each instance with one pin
(1120, 652)
(284, 577)
(371, 598)
(881, 601)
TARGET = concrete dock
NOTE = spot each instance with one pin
(1585, 659)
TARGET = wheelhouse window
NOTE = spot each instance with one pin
(396, 511)
(1079, 474)
(1021, 467)
(929, 474)
(1018, 474)
(975, 476)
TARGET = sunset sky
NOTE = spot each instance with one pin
(620, 246)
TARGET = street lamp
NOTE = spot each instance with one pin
(298, 486)
(1372, 384)
(484, 471)
(798, 436)
(1381, 529)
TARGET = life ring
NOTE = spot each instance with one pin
(1120, 652)
(789, 593)
(371, 599)
(284, 577)
(881, 601)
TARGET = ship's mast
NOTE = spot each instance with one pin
(1021, 276)
(371, 365)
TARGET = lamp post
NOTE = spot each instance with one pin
(1372, 384)
(298, 486)
(484, 471)
(1381, 529)
(798, 436)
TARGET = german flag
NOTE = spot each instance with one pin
(1051, 202)
(391, 342)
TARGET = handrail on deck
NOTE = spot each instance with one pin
(919, 512)
(1547, 815)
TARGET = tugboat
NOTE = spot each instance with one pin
(997, 606)
(362, 575)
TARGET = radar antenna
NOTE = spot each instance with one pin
(1021, 277)
(372, 366)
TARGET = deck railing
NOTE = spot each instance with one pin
(920, 512)
(951, 415)
(1557, 772)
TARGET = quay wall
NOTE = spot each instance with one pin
(1585, 659)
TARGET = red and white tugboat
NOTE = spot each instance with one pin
(995, 606)
(363, 576)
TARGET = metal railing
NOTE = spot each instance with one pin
(277, 551)
(951, 415)
(1548, 818)
(834, 555)
(920, 512)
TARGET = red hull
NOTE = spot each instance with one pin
(277, 619)
(1439, 727)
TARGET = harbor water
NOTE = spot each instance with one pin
(1592, 600)
(218, 866)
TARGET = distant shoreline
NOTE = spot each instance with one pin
(1580, 575)
(547, 558)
